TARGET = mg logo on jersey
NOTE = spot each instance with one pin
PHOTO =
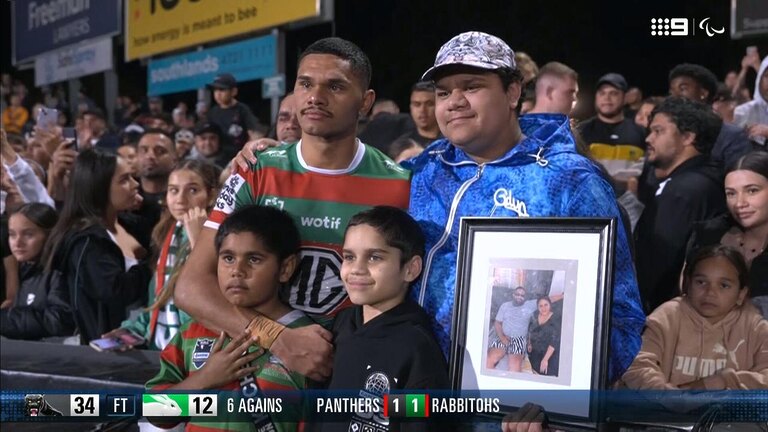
(316, 287)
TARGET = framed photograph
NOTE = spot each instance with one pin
(533, 298)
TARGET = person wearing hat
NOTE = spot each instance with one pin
(208, 145)
(185, 140)
(234, 118)
(613, 139)
(493, 164)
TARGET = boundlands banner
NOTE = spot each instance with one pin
(157, 26)
(41, 26)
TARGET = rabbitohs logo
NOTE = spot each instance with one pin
(202, 351)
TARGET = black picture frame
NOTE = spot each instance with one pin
(570, 258)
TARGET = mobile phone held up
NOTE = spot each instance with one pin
(118, 340)
(47, 118)
(70, 135)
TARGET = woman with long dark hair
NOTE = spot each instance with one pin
(745, 227)
(83, 247)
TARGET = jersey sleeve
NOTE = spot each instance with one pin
(237, 192)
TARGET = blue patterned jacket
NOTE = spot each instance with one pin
(542, 176)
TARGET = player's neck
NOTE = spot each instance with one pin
(431, 133)
(616, 118)
(328, 153)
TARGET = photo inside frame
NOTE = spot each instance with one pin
(564, 267)
(527, 302)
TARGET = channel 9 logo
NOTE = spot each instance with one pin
(680, 27)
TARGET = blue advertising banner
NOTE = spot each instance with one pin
(41, 26)
(247, 60)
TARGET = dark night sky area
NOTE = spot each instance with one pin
(402, 37)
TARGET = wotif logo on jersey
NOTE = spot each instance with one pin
(332, 223)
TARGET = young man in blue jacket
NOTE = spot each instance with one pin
(492, 164)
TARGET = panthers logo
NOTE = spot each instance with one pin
(35, 405)
(202, 351)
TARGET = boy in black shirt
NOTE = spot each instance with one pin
(385, 342)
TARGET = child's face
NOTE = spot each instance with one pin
(714, 288)
(186, 190)
(371, 269)
(249, 275)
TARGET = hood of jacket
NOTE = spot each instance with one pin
(544, 136)
(757, 96)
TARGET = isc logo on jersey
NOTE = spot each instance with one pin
(226, 200)
(316, 288)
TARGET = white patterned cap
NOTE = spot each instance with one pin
(476, 49)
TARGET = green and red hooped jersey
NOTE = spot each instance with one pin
(321, 203)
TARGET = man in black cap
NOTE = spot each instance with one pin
(614, 140)
(208, 145)
(234, 118)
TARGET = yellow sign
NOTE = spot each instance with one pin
(157, 26)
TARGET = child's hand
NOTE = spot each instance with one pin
(226, 365)
(193, 223)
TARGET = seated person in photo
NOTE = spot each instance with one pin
(41, 308)
(257, 251)
(711, 338)
(384, 342)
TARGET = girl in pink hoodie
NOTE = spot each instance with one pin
(711, 337)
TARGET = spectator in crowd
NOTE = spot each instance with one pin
(557, 88)
(384, 106)
(644, 113)
(404, 148)
(84, 248)
(541, 174)
(94, 132)
(750, 61)
(423, 114)
(201, 111)
(681, 136)
(21, 173)
(745, 227)
(731, 81)
(208, 145)
(711, 338)
(126, 110)
(129, 152)
(335, 174)
(385, 331)
(192, 188)
(614, 140)
(724, 103)
(633, 98)
(155, 106)
(185, 141)
(528, 67)
(18, 144)
(233, 117)
(288, 129)
(41, 308)
(160, 121)
(698, 83)
(15, 116)
(257, 249)
(754, 115)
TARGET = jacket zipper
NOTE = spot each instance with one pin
(446, 231)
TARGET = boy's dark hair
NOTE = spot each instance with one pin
(345, 50)
(694, 117)
(698, 73)
(398, 228)
(731, 254)
(423, 86)
(273, 226)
